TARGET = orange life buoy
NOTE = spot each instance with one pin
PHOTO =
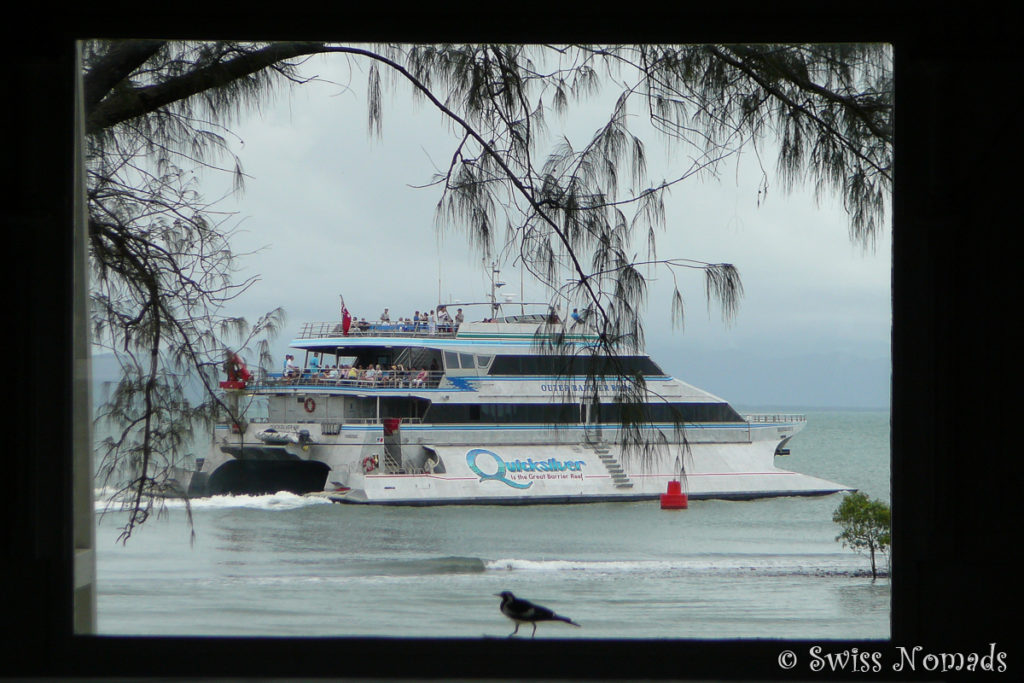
(309, 405)
(369, 464)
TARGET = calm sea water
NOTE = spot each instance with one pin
(284, 565)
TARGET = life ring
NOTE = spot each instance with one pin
(309, 405)
(369, 463)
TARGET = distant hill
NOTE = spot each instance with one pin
(105, 371)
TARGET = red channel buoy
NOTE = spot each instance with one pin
(674, 499)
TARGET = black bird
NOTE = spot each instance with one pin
(525, 612)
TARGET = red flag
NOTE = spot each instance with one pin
(346, 319)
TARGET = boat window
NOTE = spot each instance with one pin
(573, 365)
(561, 413)
(451, 360)
(404, 407)
(671, 412)
(504, 413)
(467, 360)
(482, 361)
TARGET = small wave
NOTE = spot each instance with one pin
(372, 570)
(448, 565)
(424, 566)
(803, 565)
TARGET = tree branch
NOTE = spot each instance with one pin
(115, 66)
(139, 101)
(782, 97)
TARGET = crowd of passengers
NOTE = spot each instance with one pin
(443, 322)
(371, 375)
(426, 321)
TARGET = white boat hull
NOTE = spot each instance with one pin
(495, 464)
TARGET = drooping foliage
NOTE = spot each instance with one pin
(161, 261)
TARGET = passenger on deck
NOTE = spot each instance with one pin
(444, 319)
(458, 318)
(384, 318)
(291, 370)
(420, 378)
(432, 324)
(314, 365)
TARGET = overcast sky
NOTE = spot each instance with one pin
(335, 212)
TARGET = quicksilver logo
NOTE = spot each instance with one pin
(502, 467)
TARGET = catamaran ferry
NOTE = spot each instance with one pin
(453, 412)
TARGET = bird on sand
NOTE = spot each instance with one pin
(525, 612)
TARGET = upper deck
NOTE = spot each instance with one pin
(334, 330)
(485, 336)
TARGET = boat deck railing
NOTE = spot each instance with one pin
(319, 330)
(408, 379)
(771, 418)
(334, 427)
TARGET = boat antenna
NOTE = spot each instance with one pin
(522, 292)
(495, 283)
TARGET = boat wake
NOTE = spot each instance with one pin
(282, 500)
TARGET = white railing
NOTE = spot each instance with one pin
(763, 418)
(379, 420)
(408, 379)
(376, 329)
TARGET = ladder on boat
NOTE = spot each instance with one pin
(603, 451)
